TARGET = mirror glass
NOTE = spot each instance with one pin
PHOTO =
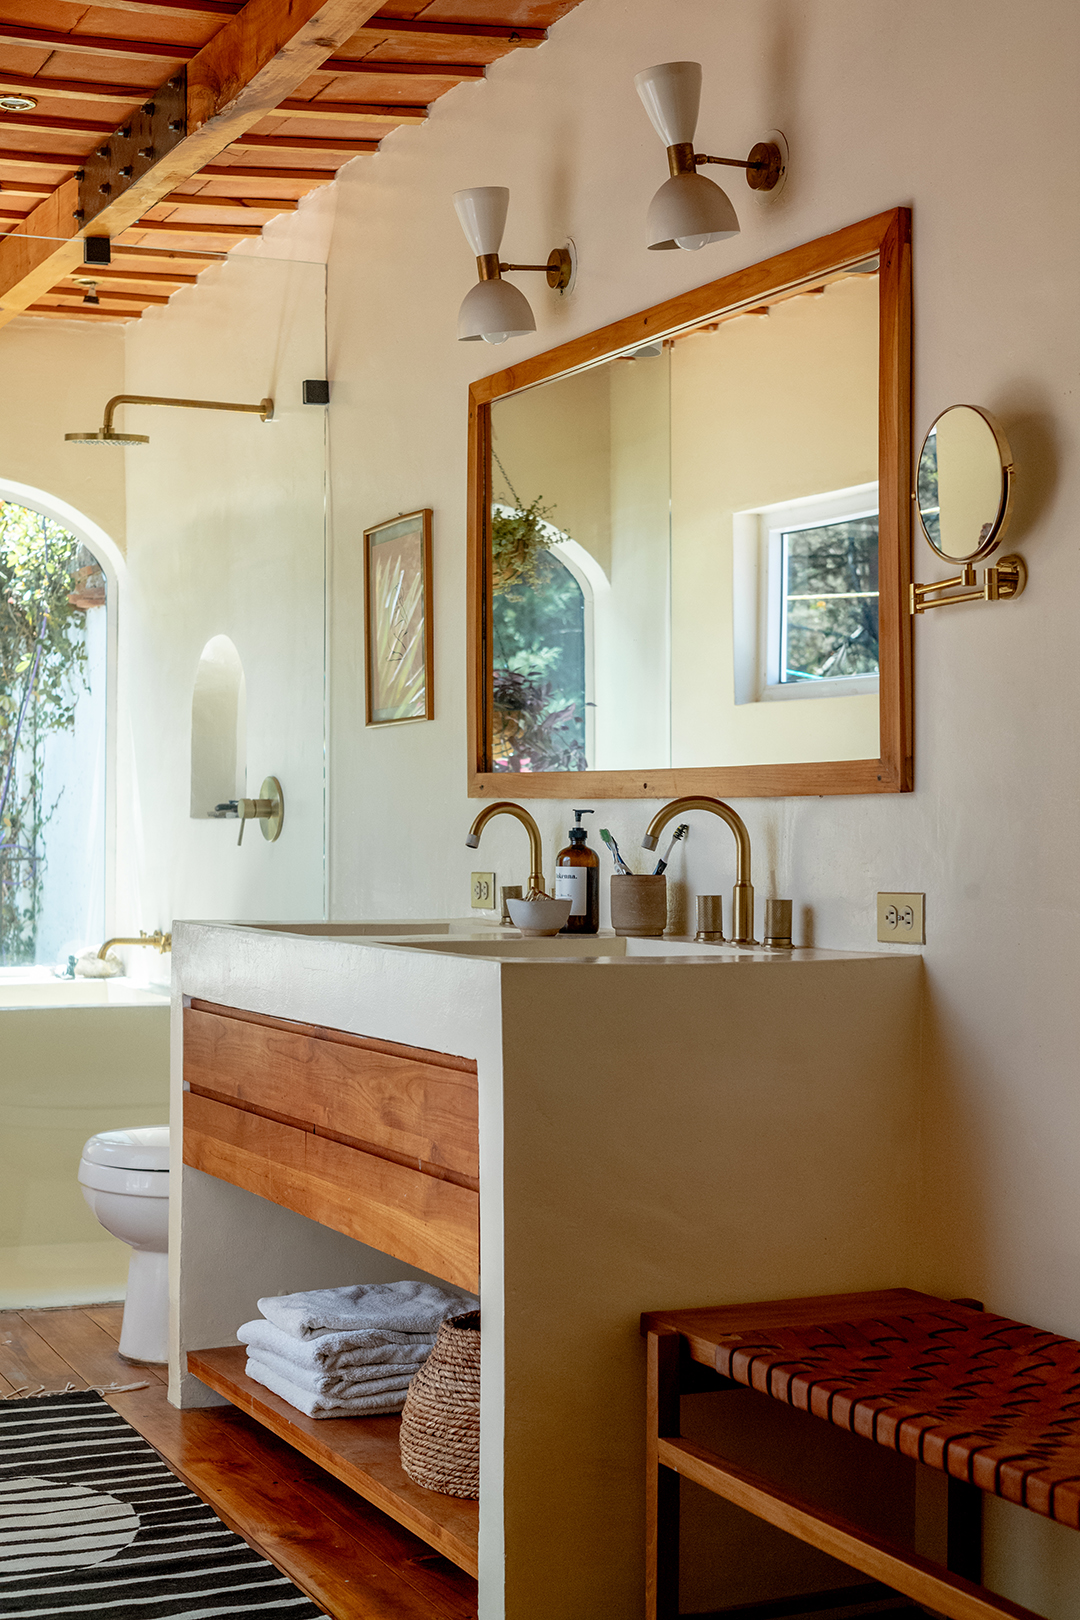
(963, 484)
(684, 546)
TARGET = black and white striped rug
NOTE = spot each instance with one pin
(93, 1523)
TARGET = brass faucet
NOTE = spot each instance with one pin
(157, 940)
(536, 851)
(742, 927)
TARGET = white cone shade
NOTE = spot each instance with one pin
(494, 311)
(688, 211)
(482, 212)
(671, 94)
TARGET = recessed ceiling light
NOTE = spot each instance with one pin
(17, 103)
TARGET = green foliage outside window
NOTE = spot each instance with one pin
(42, 672)
(831, 601)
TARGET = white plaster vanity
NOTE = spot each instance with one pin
(661, 1124)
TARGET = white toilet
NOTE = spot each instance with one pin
(125, 1180)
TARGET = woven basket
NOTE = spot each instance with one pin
(440, 1425)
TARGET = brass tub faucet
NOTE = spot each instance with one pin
(742, 928)
(536, 853)
(157, 941)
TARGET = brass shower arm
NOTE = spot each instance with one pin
(264, 409)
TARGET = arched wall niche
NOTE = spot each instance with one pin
(218, 728)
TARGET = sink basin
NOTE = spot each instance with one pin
(507, 946)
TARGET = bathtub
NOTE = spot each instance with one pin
(76, 1057)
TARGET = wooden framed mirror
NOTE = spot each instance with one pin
(690, 541)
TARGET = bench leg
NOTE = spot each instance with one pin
(965, 1528)
(661, 1484)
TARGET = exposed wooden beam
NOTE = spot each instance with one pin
(420, 70)
(353, 112)
(123, 253)
(148, 50)
(306, 143)
(410, 27)
(109, 292)
(80, 312)
(257, 59)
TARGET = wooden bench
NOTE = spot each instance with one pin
(991, 1403)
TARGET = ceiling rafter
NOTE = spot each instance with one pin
(255, 60)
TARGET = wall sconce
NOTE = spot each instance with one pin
(494, 309)
(688, 211)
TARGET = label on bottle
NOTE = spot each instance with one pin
(571, 883)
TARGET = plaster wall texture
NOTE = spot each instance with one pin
(57, 377)
(935, 107)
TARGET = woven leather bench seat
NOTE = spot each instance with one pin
(989, 1401)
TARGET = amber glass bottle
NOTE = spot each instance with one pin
(577, 878)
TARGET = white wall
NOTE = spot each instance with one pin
(939, 107)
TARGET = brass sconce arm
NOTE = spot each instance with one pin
(763, 167)
(157, 941)
(558, 269)
(536, 852)
(264, 409)
(743, 895)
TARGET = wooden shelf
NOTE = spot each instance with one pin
(361, 1452)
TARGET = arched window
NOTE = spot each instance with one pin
(218, 728)
(55, 654)
(542, 639)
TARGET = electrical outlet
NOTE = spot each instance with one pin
(901, 919)
(483, 891)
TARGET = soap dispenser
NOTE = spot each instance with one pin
(577, 879)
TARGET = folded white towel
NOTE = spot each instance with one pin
(346, 1385)
(326, 1406)
(399, 1307)
(359, 1347)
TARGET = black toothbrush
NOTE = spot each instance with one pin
(680, 832)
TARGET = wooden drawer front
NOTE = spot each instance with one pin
(421, 1219)
(417, 1107)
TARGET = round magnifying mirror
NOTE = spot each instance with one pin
(964, 484)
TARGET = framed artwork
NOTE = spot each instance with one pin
(397, 616)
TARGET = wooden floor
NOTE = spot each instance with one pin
(351, 1559)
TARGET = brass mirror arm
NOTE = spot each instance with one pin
(1003, 582)
(742, 932)
(505, 807)
(157, 940)
(264, 409)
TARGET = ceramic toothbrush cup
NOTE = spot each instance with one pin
(639, 906)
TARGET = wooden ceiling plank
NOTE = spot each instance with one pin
(175, 8)
(149, 50)
(43, 123)
(305, 143)
(39, 160)
(255, 60)
(114, 272)
(27, 188)
(195, 227)
(238, 171)
(80, 312)
(353, 112)
(202, 199)
(126, 253)
(31, 84)
(367, 65)
(413, 27)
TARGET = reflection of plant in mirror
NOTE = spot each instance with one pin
(927, 489)
(538, 722)
(520, 536)
(831, 601)
(42, 670)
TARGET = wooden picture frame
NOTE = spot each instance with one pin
(887, 237)
(398, 664)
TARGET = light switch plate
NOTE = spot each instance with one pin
(901, 919)
(483, 891)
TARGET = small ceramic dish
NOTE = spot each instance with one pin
(539, 919)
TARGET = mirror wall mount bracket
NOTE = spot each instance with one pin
(1004, 581)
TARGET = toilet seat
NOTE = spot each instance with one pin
(143, 1147)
